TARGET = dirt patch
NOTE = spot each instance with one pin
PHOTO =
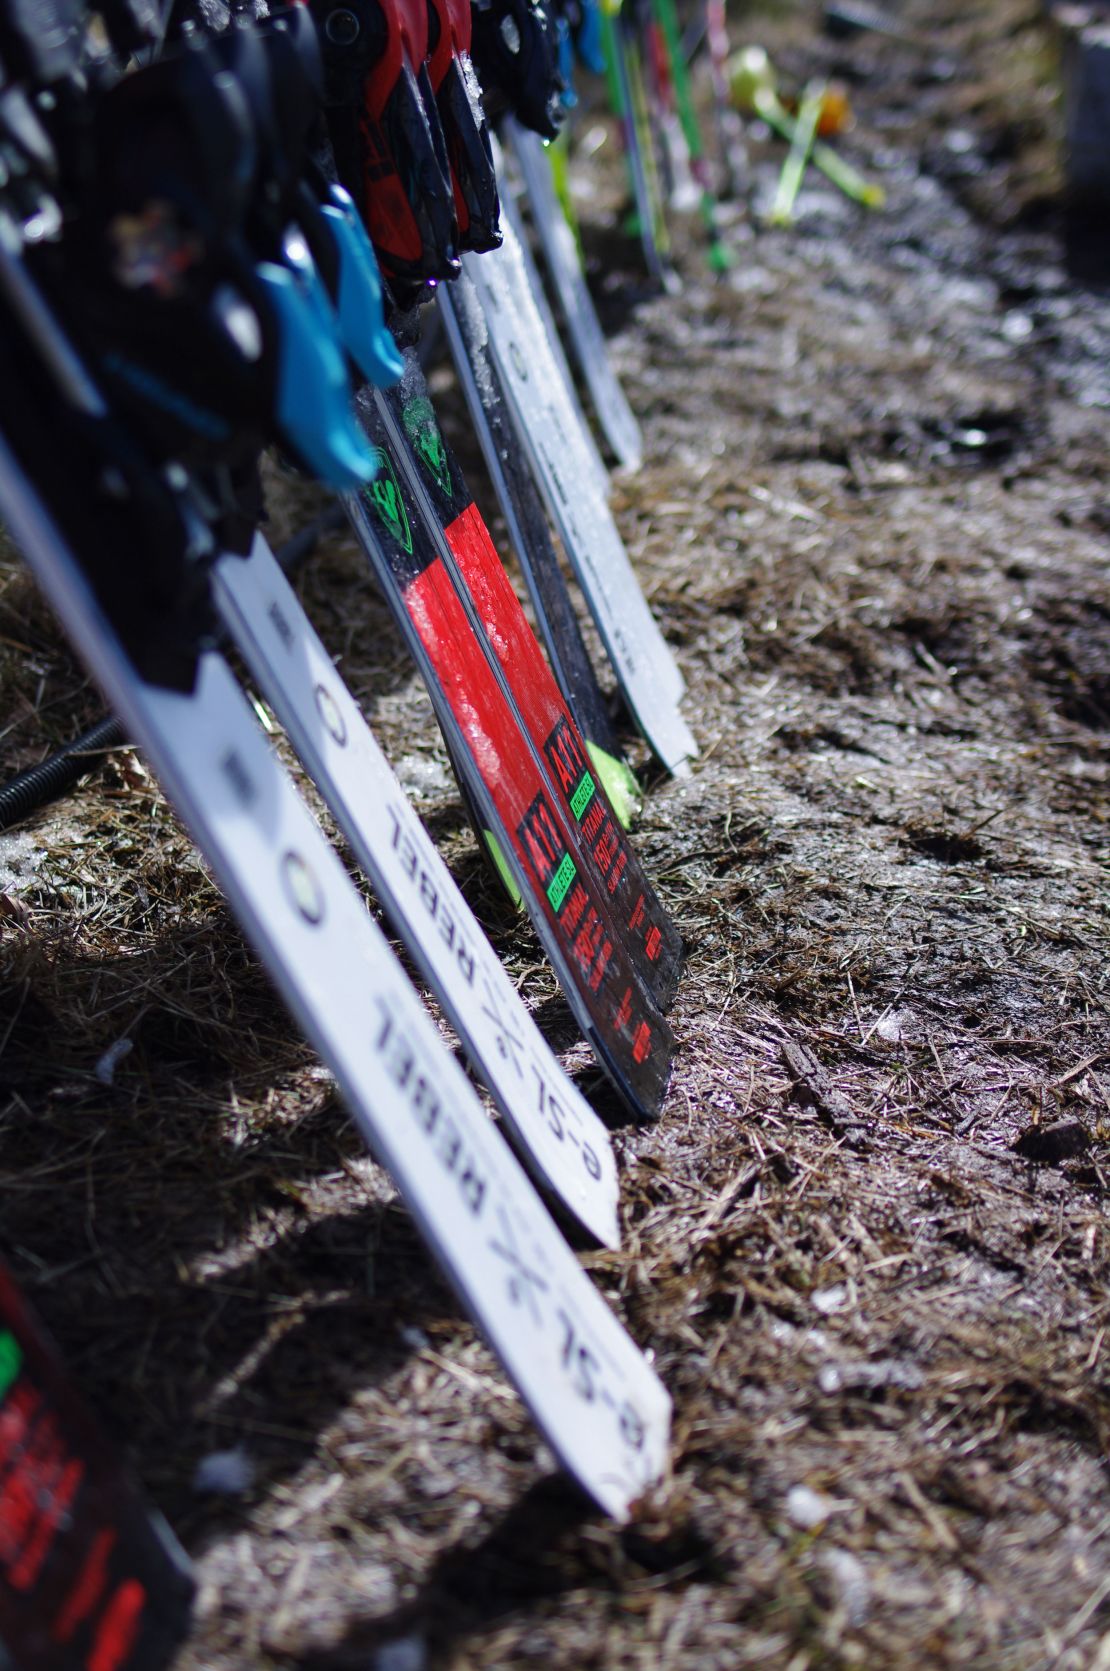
(867, 1242)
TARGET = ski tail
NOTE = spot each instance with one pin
(562, 255)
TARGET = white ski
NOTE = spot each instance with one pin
(551, 434)
(560, 254)
(556, 1131)
(591, 1392)
(511, 217)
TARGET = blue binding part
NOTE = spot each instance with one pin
(568, 98)
(314, 401)
(587, 41)
(361, 319)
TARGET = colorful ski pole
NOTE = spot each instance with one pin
(730, 132)
(752, 78)
(720, 257)
(797, 159)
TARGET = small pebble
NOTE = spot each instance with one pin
(225, 1473)
(407, 1653)
(850, 1582)
(1017, 326)
(828, 1300)
(808, 1508)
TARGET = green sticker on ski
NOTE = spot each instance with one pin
(422, 430)
(559, 885)
(11, 1358)
(582, 796)
(384, 495)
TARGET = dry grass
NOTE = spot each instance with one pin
(884, 1330)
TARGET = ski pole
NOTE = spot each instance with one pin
(720, 257)
(632, 116)
(753, 89)
(797, 159)
(730, 133)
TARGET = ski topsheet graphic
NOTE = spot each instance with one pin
(88, 1577)
(526, 517)
(505, 782)
(526, 679)
(592, 1394)
(546, 424)
(558, 1134)
(561, 256)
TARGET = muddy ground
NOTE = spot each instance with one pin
(867, 1241)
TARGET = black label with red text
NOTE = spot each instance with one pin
(88, 1580)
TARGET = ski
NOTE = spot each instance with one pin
(555, 1131)
(529, 272)
(541, 848)
(474, 567)
(627, 94)
(648, 674)
(564, 268)
(589, 1389)
(88, 1575)
(529, 535)
(664, 18)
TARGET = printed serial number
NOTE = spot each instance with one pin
(431, 899)
(554, 1113)
(586, 1375)
(401, 1060)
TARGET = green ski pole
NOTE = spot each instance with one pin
(720, 258)
(793, 169)
(753, 88)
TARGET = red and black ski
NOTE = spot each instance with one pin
(530, 537)
(89, 1580)
(503, 778)
(470, 558)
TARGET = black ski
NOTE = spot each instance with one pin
(88, 1575)
(524, 513)
(503, 777)
(478, 575)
